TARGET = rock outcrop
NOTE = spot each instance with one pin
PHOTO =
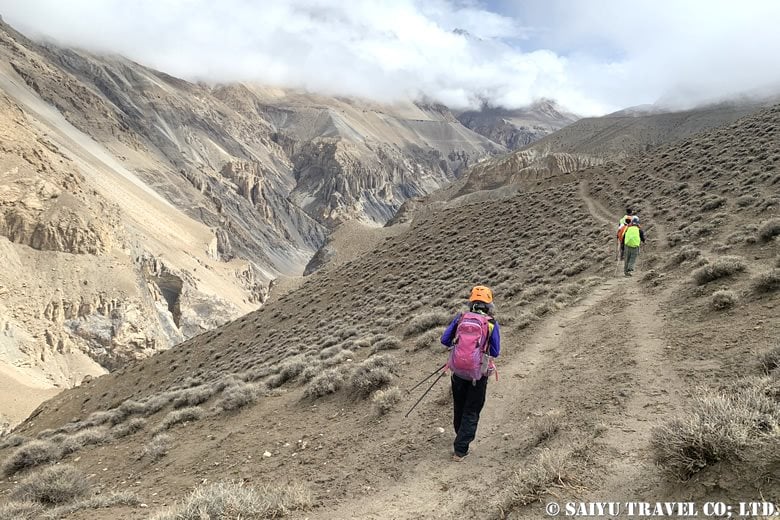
(517, 128)
(157, 209)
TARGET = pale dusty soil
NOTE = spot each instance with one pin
(17, 397)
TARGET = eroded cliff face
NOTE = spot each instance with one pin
(137, 209)
(529, 165)
(79, 293)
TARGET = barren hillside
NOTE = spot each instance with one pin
(658, 387)
(593, 141)
(138, 209)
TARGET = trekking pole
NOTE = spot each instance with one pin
(426, 393)
(427, 378)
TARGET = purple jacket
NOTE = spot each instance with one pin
(495, 337)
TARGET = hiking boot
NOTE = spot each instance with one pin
(457, 457)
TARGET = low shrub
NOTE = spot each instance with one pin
(21, 511)
(12, 441)
(237, 396)
(547, 471)
(770, 360)
(387, 343)
(158, 447)
(425, 322)
(31, 454)
(385, 400)
(288, 370)
(713, 203)
(194, 396)
(721, 268)
(430, 338)
(674, 238)
(231, 500)
(766, 282)
(133, 407)
(127, 428)
(193, 413)
(52, 486)
(365, 379)
(122, 498)
(155, 403)
(544, 428)
(90, 437)
(686, 252)
(576, 268)
(723, 299)
(769, 229)
(717, 428)
(328, 381)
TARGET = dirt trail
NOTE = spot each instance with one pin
(607, 348)
(595, 208)
(431, 490)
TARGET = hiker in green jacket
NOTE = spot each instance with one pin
(633, 237)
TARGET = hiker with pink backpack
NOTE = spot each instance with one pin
(473, 339)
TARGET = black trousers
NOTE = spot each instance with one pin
(468, 399)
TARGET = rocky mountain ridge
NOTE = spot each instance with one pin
(159, 208)
(594, 141)
(517, 128)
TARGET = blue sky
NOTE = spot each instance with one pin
(592, 56)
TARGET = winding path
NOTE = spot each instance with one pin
(582, 363)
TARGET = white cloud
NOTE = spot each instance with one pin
(395, 49)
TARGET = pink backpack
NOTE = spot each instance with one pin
(469, 356)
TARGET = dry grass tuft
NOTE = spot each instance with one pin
(237, 396)
(723, 299)
(545, 427)
(21, 511)
(686, 252)
(326, 382)
(288, 371)
(127, 428)
(429, 339)
(770, 360)
(372, 374)
(720, 268)
(549, 470)
(158, 447)
(31, 454)
(717, 428)
(12, 441)
(387, 343)
(766, 282)
(385, 400)
(194, 396)
(231, 500)
(90, 437)
(53, 486)
(769, 229)
(425, 322)
(124, 498)
(193, 413)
